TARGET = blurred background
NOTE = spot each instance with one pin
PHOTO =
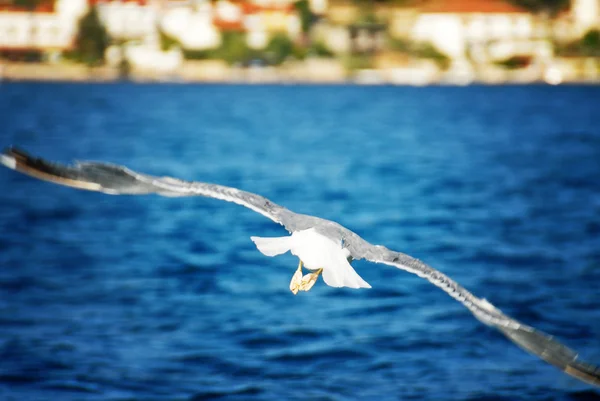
(415, 42)
(150, 298)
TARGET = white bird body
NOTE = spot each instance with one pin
(316, 251)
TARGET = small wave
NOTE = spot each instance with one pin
(584, 395)
(245, 391)
(71, 385)
(322, 355)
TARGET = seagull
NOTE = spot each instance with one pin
(324, 247)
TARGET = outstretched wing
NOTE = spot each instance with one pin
(114, 179)
(117, 180)
(526, 337)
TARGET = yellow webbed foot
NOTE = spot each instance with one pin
(309, 280)
(296, 283)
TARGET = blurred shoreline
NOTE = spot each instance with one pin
(316, 71)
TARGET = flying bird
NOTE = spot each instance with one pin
(324, 247)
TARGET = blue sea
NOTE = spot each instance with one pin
(150, 298)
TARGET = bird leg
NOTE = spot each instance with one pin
(309, 280)
(295, 284)
(303, 283)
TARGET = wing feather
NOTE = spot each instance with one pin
(115, 179)
(118, 180)
(534, 341)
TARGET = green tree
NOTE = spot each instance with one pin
(234, 48)
(429, 51)
(590, 43)
(28, 4)
(319, 49)
(392, 2)
(423, 50)
(280, 47)
(515, 62)
(167, 41)
(591, 40)
(307, 18)
(551, 7)
(92, 39)
(588, 46)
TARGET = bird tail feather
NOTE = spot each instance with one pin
(272, 246)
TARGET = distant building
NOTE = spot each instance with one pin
(128, 19)
(401, 20)
(480, 30)
(200, 27)
(50, 27)
(262, 21)
(194, 27)
(316, 6)
(259, 20)
(335, 32)
(585, 15)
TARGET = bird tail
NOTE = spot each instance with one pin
(272, 246)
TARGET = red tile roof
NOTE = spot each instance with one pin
(253, 8)
(41, 7)
(139, 2)
(246, 9)
(229, 25)
(471, 7)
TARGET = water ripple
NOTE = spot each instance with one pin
(150, 298)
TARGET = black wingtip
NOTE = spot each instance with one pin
(553, 352)
(13, 150)
(23, 162)
(19, 156)
(20, 160)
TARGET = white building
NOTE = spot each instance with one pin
(128, 19)
(200, 27)
(480, 30)
(585, 15)
(49, 27)
(259, 20)
(193, 28)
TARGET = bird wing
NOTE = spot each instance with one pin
(536, 342)
(117, 180)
